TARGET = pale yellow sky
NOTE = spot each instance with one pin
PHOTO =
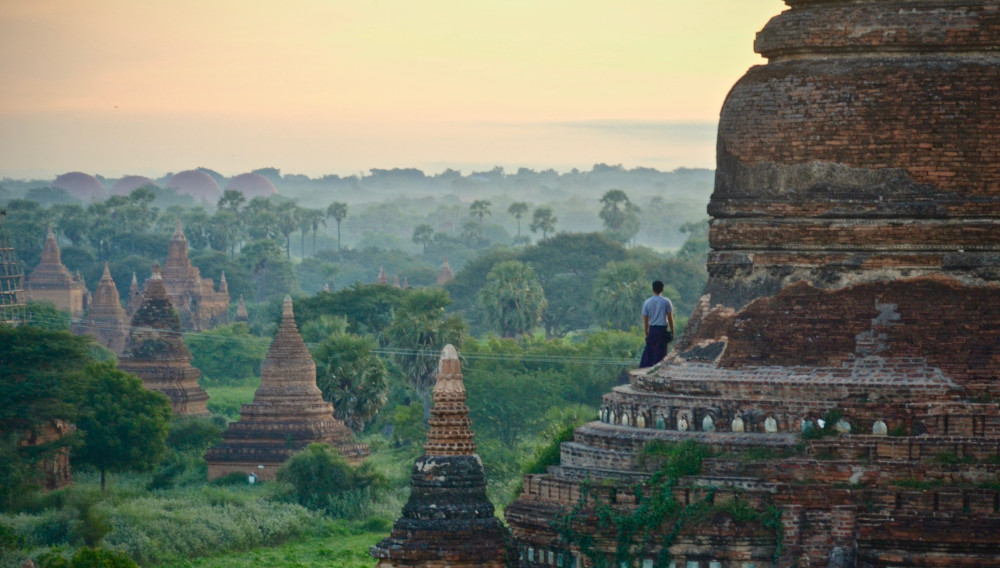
(339, 86)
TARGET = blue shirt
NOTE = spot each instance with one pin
(657, 308)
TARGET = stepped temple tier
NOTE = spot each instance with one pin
(448, 520)
(106, 319)
(841, 373)
(200, 306)
(287, 413)
(156, 353)
(51, 281)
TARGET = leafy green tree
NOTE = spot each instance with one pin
(566, 265)
(543, 220)
(369, 308)
(619, 291)
(261, 219)
(227, 354)
(696, 246)
(72, 221)
(272, 274)
(353, 377)
(232, 200)
(338, 211)
(480, 208)
(518, 209)
(512, 298)
(124, 425)
(420, 329)
(464, 288)
(40, 383)
(423, 235)
(318, 329)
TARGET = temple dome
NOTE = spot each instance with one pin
(80, 185)
(128, 184)
(252, 185)
(195, 183)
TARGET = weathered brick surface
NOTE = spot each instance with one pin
(448, 521)
(156, 353)
(854, 278)
(286, 415)
(51, 281)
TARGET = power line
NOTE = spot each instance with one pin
(387, 351)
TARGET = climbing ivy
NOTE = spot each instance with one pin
(656, 514)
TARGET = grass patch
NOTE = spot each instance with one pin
(226, 400)
(335, 544)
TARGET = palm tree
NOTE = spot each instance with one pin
(480, 208)
(338, 211)
(288, 221)
(543, 220)
(423, 234)
(518, 209)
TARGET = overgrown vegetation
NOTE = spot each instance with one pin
(656, 519)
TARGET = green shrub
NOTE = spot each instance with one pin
(88, 558)
(195, 433)
(321, 479)
(234, 478)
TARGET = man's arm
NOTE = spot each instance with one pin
(645, 324)
(670, 320)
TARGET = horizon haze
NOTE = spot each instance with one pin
(125, 88)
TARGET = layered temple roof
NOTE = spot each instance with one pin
(51, 281)
(156, 352)
(445, 275)
(106, 319)
(200, 306)
(853, 294)
(287, 413)
(448, 520)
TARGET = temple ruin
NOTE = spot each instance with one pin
(106, 319)
(445, 275)
(448, 520)
(51, 281)
(200, 306)
(156, 353)
(287, 413)
(841, 369)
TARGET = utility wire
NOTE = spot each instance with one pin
(79, 323)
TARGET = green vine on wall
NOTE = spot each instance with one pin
(657, 515)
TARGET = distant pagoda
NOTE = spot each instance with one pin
(155, 352)
(51, 281)
(445, 275)
(200, 306)
(287, 413)
(448, 520)
(106, 319)
(12, 297)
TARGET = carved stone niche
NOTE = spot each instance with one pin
(737, 424)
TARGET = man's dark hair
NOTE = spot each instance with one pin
(657, 286)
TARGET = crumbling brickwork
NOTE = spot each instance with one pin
(843, 365)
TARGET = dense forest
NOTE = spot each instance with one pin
(549, 271)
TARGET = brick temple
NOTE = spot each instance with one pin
(287, 413)
(842, 365)
(197, 301)
(106, 320)
(51, 281)
(448, 521)
(155, 351)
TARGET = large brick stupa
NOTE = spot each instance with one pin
(843, 365)
(287, 413)
(155, 351)
(448, 521)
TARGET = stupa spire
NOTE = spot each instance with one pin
(106, 320)
(448, 520)
(450, 432)
(287, 413)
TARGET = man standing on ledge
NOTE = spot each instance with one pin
(657, 314)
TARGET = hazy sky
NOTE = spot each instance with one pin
(340, 86)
